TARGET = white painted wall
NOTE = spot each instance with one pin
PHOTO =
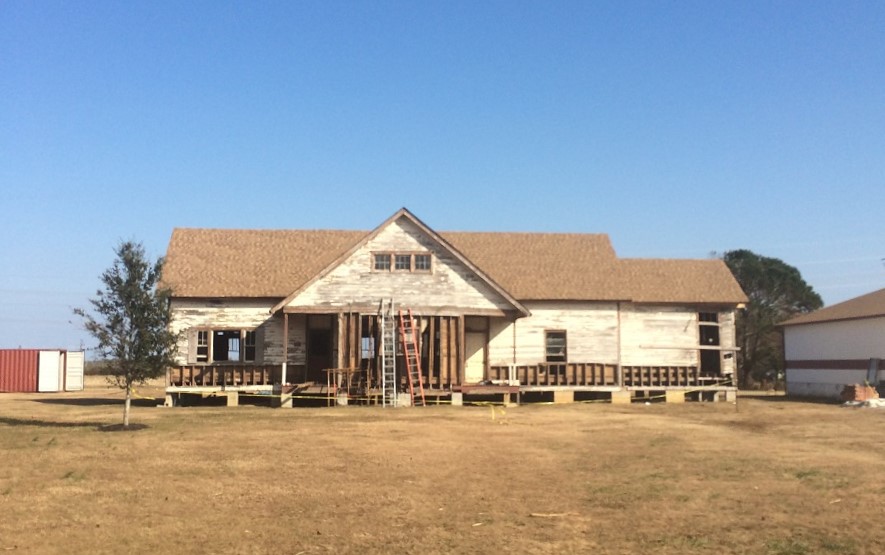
(649, 335)
(659, 335)
(824, 383)
(848, 339)
(591, 333)
(239, 314)
(844, 340)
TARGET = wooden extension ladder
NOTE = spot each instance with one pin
(409, 336)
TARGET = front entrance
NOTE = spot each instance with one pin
(319, 347)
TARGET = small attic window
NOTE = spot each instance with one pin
(382, 262)
(403, 262)
(422, 262)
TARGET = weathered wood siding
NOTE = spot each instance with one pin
(243, 315)
(659, 335)
(727, 339)
(449, 288)
(591, 333)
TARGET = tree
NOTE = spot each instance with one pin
(776, 292)
(131, 321)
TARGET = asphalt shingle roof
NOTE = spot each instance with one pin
(230, 263)
(870, 305)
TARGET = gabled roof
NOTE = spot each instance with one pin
(671, 280)
(546, 266)
(870, 305)
(404, 213)
(249, 262)
(227, 263)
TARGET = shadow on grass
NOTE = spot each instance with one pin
(99, 426)
(120, 428)
(97, 401)
(47, 423)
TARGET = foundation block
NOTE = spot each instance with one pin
(563, 397)
(621, 397)
(233, 398)
(457, 399)
(674, 396)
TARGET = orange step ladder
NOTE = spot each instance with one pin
(409, 336)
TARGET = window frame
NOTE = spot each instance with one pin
(399, 257)
(247, 339)
(402, 262)
(203, 344)
(378, 257)
(422, 256)
(249, 342)
(548, 334)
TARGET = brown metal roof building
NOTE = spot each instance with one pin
(839, 345)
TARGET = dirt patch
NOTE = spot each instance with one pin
(773, 478)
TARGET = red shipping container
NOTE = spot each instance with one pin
(18, 370)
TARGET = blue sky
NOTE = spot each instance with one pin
(678, 128)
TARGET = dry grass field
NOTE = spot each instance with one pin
(775, 477)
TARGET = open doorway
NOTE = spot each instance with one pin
(319, 347)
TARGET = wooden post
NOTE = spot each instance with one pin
(619, 371)
(462, 349)
(285, 347)
(431, 351)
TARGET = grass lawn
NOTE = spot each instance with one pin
(775, 477)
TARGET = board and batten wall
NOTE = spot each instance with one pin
(449, 288)
(193, 314)
(822, 358)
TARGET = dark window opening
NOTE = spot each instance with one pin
(709, 335)
(555, 346)
(249, 346)
(226, 345)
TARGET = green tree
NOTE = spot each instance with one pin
(776, 292)
(129, 319)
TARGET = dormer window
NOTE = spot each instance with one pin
(403, 262)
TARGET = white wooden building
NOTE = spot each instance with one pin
(528, 312)
(839, 345)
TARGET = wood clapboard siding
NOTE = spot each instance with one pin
(591, 333)
(727, 340)
(354, 282)
(659, 335)
(239, 314)
(501, 341)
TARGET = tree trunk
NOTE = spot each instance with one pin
(126, 406)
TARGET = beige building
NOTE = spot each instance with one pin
(520, 313)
